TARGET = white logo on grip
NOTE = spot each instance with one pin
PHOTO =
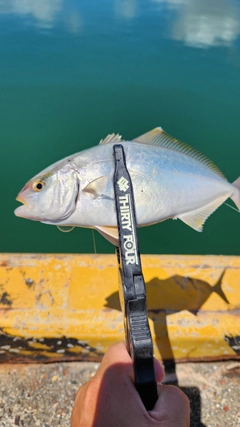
(126, 220)
(123, 184)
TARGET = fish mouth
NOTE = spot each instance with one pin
(20, 199)
(22, 211)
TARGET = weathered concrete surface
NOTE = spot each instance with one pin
(43, 395)
(66, 307)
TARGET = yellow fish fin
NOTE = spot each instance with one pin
(110, 233)
(112, 138)
(196, 219)
(160, 138)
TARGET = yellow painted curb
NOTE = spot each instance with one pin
(66, 307)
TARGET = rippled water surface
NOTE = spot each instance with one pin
(71, 72)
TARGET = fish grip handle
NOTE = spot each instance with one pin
(132, 289)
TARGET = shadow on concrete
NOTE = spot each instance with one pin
(170, 296)
(194, 396)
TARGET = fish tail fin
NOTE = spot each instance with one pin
(236, 195)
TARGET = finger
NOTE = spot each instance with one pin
(159, 370)
(172, 407)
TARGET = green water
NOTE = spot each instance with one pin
(71, 72)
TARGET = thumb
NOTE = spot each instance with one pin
(116, 354)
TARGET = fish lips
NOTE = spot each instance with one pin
(23, 212)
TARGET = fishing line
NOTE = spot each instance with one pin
(65, 229)
(235, 209)
(94, 242)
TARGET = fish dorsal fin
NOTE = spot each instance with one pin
(113, 139)
(97, 186)
(160, 138)
(196, 218)
(110, 233)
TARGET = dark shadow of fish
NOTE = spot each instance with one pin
(179, 293)
(174, 294)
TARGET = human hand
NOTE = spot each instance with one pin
(110, 398)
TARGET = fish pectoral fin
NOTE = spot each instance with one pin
(112, 138)
(97, 186)
(110, 233)
(197, 218)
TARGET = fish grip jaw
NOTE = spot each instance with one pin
(141, 351)
(132, 289)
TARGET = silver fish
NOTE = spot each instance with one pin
(170, 180)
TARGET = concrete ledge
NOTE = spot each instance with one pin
(66, 307)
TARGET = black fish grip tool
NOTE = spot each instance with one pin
(132, 289)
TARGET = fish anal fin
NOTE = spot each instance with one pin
(97, 186)
(112, 138)
(159, 137)
(110, 233)
(197, 218)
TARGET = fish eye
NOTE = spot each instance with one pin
(38, 185)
